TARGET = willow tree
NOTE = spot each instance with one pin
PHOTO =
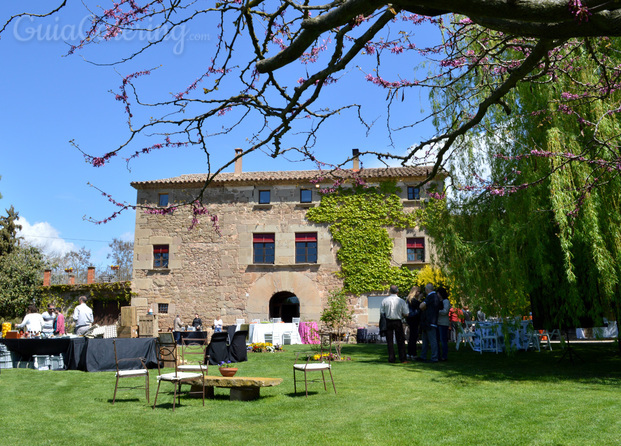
(544, 221)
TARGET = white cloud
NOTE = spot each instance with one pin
(127, 237)
(44, 236)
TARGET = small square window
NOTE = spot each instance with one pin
(264, 197)
(416, 249)
(162, 308)
(163, 200)
(160, 256)
(306, 196)
(413, 193)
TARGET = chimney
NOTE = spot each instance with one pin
(47, 277)
(355, 153)
(238, 162)
(72, 279)
(90, 275)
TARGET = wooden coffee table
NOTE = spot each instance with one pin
(243, 388)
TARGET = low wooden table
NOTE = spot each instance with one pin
(243, 388)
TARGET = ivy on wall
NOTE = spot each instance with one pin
(103, 292)
(358, 218)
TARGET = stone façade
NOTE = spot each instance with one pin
(214, 274)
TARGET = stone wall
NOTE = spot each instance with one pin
(214, 275)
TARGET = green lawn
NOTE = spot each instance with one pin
(530, 398)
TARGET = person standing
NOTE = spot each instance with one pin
(413, 320)
(443, 323)
(49, 317)
(33, 322)
(82, 317)
(197, 323)
(394, 309)
(59, 322)
(429, 324)
(177, 328)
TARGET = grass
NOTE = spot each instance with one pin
(532, 398)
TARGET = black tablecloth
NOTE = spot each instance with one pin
(28, 347)
(190, 335)
(91, 355)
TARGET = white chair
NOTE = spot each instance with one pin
(489, 338)
(543, 338)
(238, 322)
(312, 367)
(465, 336)
(178, 377)
(268, 334)
(125, 373)
(286, 338)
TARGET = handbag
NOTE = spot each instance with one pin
(382, 325)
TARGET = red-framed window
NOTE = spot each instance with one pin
(264, 248)
(416, 249)
(160, 256)
(306, 247)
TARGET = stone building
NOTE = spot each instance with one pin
(268, 260)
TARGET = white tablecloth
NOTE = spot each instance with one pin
(257, 332)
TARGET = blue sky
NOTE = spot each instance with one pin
(49, 99)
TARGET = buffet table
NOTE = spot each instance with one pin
(257, 332)
(89, 355)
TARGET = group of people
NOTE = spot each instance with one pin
(428, 315)
(197, 323)
(52, 321)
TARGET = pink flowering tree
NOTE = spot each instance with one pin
(276, 68)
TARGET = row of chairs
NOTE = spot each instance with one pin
(186, 373)
(193, 372)
(489, 339)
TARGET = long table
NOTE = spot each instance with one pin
(89, 355)
(257, 332)
(190, 335)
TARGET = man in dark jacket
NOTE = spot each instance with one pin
(429, 324)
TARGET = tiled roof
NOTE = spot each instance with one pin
(287, 176)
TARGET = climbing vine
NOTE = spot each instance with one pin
(358, 218)
(104, 292)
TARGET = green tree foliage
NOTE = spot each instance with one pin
(8, 231)
(337, 316)
(358, 217)
(20, 269)
(544, 227)
(20, 280)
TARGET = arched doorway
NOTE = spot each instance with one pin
(284, 305)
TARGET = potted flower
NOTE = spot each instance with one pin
(227, 369)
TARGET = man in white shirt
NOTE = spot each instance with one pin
(395, 309)
(82, 316)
